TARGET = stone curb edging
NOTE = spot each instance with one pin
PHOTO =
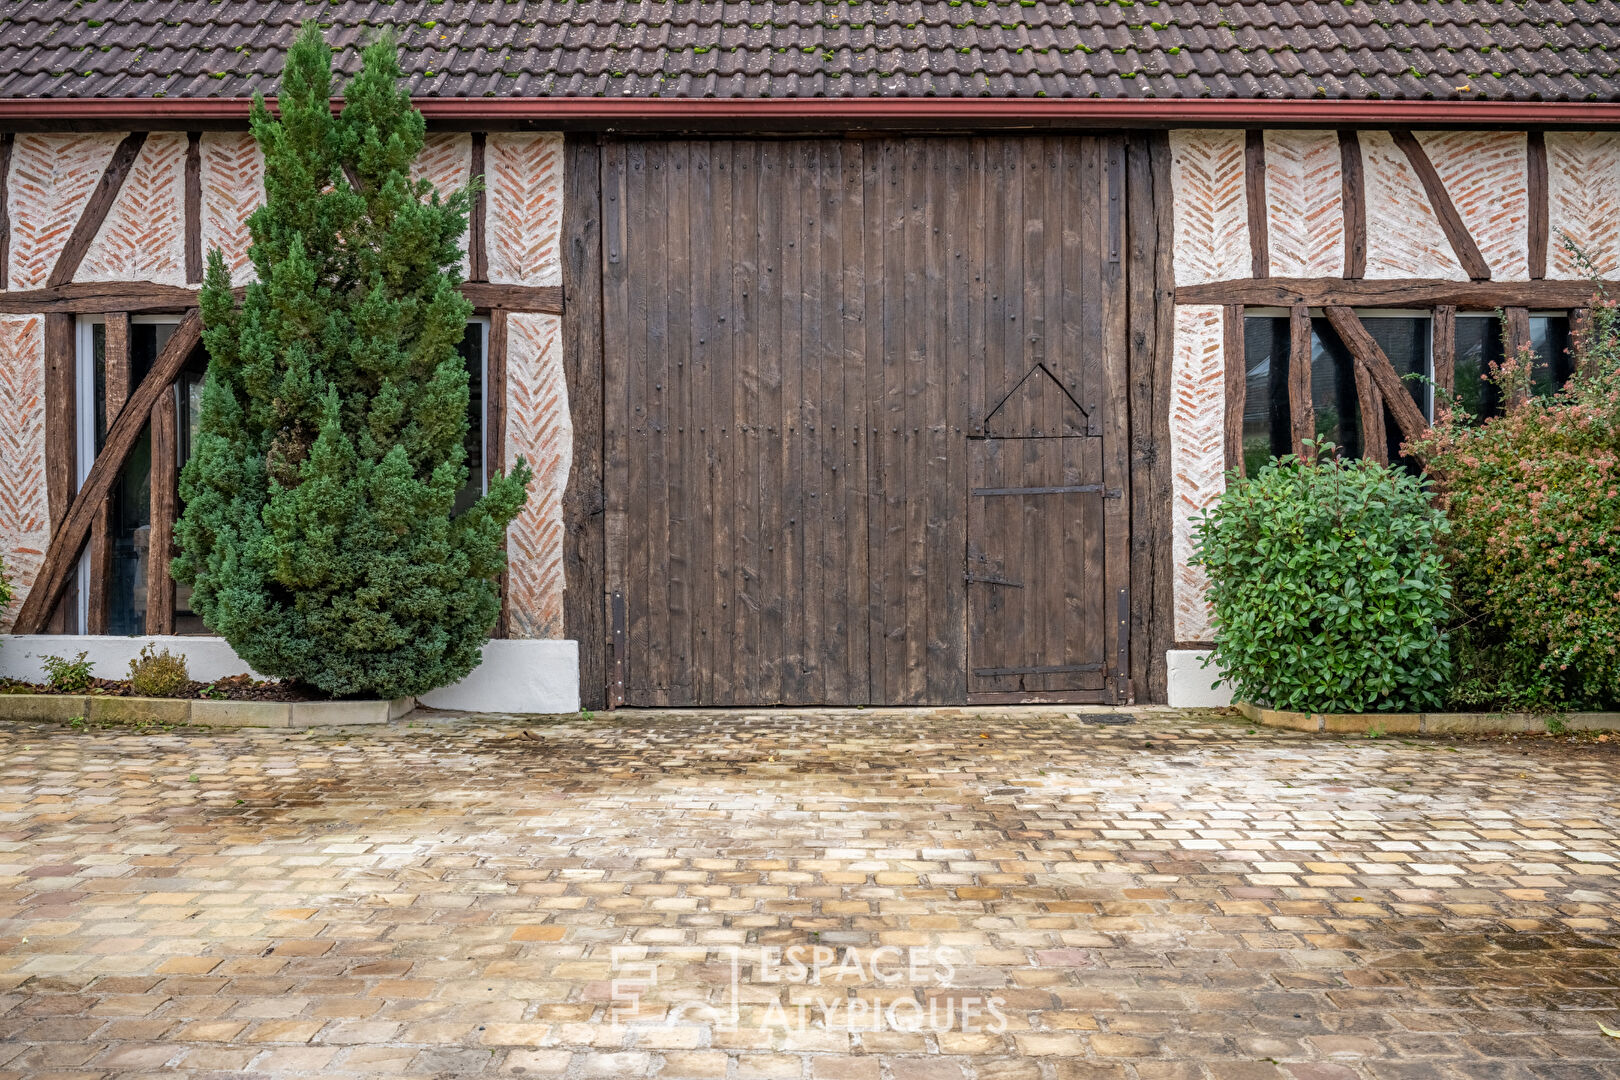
(1425, 723)
(62, 708)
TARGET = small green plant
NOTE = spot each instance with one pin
(157, 674)
(1376, 731)
(1328, 588)
(67, 676)
(1556, 725)
(586, 715)
(213, 693)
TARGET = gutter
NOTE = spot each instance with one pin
(848, 113)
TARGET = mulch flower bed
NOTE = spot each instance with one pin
(232, 688)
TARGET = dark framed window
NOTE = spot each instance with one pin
(1267, 430)
(1479, 345)
(130, 501)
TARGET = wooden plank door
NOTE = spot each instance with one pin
(1037, 594)
(803, 340)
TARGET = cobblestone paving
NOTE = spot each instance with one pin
(1176, 897)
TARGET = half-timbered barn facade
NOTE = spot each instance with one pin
(865, 353)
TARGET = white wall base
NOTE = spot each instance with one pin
(207, 658)
(1190, 681)
(517, 676)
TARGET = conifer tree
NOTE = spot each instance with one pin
(318, 531)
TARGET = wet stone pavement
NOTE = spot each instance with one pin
(836, 896)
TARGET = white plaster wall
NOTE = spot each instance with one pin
(1211, 217)
(1304, 203)
(1583, 200)
(1197, 453)
(1404, 237)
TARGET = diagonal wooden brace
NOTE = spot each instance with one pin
(1367, 351)
(68, 539)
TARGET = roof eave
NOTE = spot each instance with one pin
(825, 113)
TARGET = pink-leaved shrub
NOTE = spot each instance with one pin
(1533, 497)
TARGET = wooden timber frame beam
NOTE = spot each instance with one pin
(1394, 292)
(1367, 352)
(1301, 410)
(115, 369)
(1236, 384)
(6, 141)
(69, 538)
(1353, 189)
(1254, 183)
(1370, 403)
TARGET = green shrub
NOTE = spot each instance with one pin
(1534, 502)
(157, 674)
(319, 530)
(67, 676)
(1328, 588)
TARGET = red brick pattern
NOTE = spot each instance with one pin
(1404, 238)
(1211, 208)
(524, 207)
(233, 187)
(144, 235)
(446, 160)
(1583, 200)
(25, 529)
(538, 427)
(1197, 454)
(51, 179)
(1485, 174)
(1305, 203)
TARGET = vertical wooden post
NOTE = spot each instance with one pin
(1370, 403)
(1354, 191)
(1445, 354)
(6, 139)
(115, 383)
(1254, 177)
(61, 444)
(95, 601)
(1515, 337)
(115, 363)
(1237, 382)
(1535, 153)
(163, 496)
(477, 247)
(495, 434)
(1579, 327)
(583, 553)
(193, 208)
(1301, 413)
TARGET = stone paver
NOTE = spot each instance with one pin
(1007, 894)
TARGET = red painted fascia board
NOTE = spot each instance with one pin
(765, 112)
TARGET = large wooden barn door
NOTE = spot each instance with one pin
(814, 352)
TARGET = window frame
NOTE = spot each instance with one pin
(85, 450)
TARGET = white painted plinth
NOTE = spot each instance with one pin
(517, 676)
(1190, 681)
(207, 658)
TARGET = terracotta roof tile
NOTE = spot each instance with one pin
(1527, 49)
